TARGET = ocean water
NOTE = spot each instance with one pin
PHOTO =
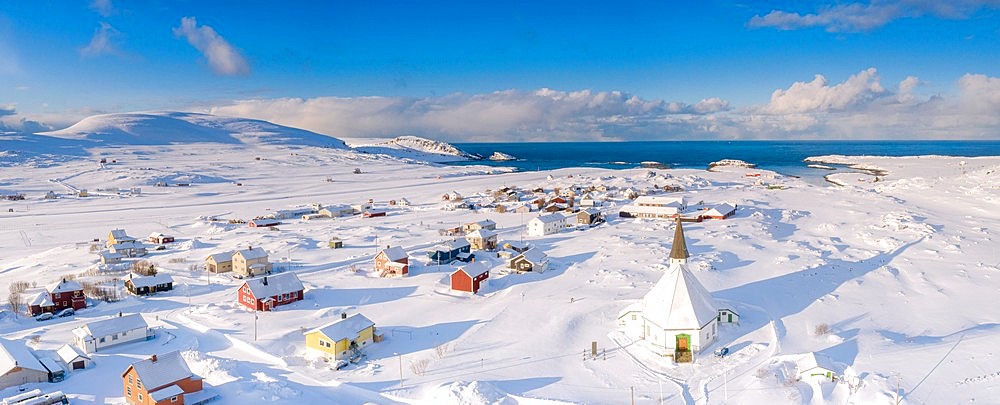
(784, 157)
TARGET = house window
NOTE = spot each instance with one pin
(633, 317)
(128, 391)
(130, 382)
(140, 397)
(114, 337)
(102, 340)
(173, 398)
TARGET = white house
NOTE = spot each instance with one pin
(661, 201)
(648, 211)
(812, 365)
(337, 210)
(18, 365)
(98, 335)
(678, 316)
(73, 358)
(546, 224)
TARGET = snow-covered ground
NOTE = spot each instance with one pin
(892, 279)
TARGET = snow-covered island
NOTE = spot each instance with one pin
(265, 269)
(731, 163)
(500, 156)
(413, 147)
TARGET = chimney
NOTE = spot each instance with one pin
(152, 358)
(119, 314)
(343, 315)
(265, 280)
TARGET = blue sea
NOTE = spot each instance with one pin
(785, 157)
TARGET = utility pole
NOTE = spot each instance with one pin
(898, 397)
(255, 325)
(400, 357)
(632, 391)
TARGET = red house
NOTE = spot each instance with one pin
(264, 222)
(160, 380)
(469, 278)
(159, 238)
(59, 296)
(265, 293)
(371, 213)
(392, 261)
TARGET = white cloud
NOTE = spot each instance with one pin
(103, 42)
(980, 94)
(103, 7)
(860, 17)
(221, 55)
(11, 121)
(817, 95)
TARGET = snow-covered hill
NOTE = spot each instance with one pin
(413, 147)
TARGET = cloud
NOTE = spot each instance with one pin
(222, 57)
(103, 42)
(544, 114)
(818, 95)
(861, 17)
(103, 7)
(10, 121)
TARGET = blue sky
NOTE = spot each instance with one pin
(529, 70)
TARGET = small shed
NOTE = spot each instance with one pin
(470, 277)
(336, 243)
(813, 365)
(74, 358)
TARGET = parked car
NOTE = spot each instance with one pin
(340, 364)
(66, 312)
(44, 316)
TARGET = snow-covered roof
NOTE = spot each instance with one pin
(128, 245)
(150, 281)
(120, 235)
(344, 328)
(453, 245)
(812, 360)
(550, 218)
(166, 392)
(678, 301)
(395, 253)
(221, 257)
(111, 255)
(483, 223)
(50, 364)
(646, 209)
(110, 326)
(535, 255)
(660, 200)
(155, 235)
(68, 354)
(592, 211)
(473, 269)
(481, 234)
(277, 284)
(167, 369)
(264, 222)
(65, 286)
(43, 299)
(14, 353)
(252, 253)
(721, 210)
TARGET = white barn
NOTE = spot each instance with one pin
(97, 335)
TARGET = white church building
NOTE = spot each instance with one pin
(678, 316)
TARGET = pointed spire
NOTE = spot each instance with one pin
(679, 251)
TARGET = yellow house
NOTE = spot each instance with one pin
(219, 262)
(343, 338)
(118, 236)
(251, 262)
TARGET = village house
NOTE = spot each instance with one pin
(470, 278)
(392, 261)
(18, 365)
(99, 335)
(219, 262)
(645, 211)
(163, 379)
(297, 212)
(589, 216)
(110, 257)
(482, 239)
(336, 210)
(519, 247)
(341, 339)
(266, 293)
(403, 202)
(119, 236)
(374, 212)
(452, 196)
(721, 211)
(661, 201)
(159, 238)
(546, 224)
(484, 224)
(588, 200)
(251, 262)
(814, 365)
(73, 358)
(678, 316)
(146, 285)
(530, 260)
(449, 252)
(263, 222)
(129, 249)
(522, 209)
(61, 295)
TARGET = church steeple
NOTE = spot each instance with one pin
(678, 251)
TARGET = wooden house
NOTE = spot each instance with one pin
(251, 262)
(661, 201)
(452, 196)
(482, 239)
(120, 329)
(146, 285)
(73, 358)
(110, 257)
(519, 247)
(523, 209)
(484, 224)
(589, 216)
(449, 252)
(341, 339)
(219, 262)
(403, 202)
(470, 277)
(373, 212)
(531, 260)
(645, 211)
(721, 211)
(815, 366)
(392, 261)
(61, 295)
(159, 238)
(546, 224)
(338, 210)
(18, 365)
(163, 379)
(263, 222)
(129, 249)
(266, 293)
(119, 236)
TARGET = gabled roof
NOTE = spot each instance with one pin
(119, 234)
(128, 245)
(111, 255)
(165, 393)
(221, 257)
(473, 269)
(678, 249)
(43, 299)
(679, 301)
(68, 354)
(483, 223)
(252, 253)
(14, 353)
(811, 360)
(721, 210)
(265, 221)
(395, 253)
(167, 369)
(535, 256)
(115, 324)
(660, 200)
(550, 218)
(344, 328)
(150, 281)
(65, 286)
(277, 284)
(481, 234)
(155, 235)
